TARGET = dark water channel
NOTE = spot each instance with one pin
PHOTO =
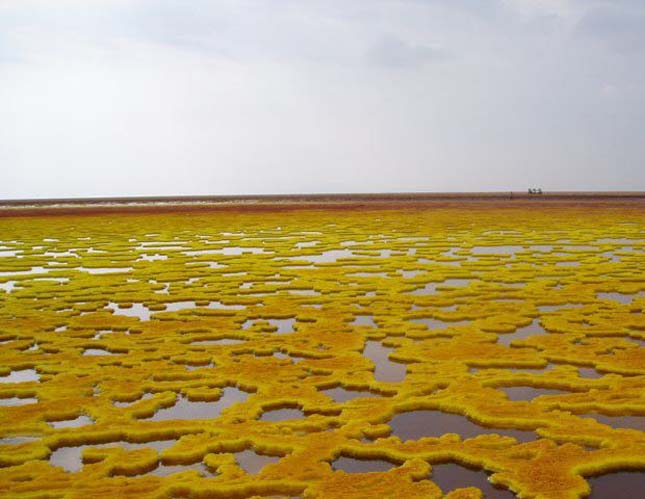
(285, 414)
(450, 476)
(522, 333)
(385, 370)
(340, 394)
(621, 485)
(353, 465)
(187, 409)
(418, 424)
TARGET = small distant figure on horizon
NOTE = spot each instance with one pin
(535, 191)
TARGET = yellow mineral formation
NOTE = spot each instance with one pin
(241, 354)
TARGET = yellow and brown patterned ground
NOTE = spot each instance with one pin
(113, 325)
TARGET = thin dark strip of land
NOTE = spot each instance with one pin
(270, 202)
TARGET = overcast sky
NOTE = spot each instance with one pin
(176, 97)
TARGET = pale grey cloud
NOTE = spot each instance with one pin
(622, 29)
(393, 52)
(136, 97)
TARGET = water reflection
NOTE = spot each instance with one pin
(455, 283)
(292, 357)
(72, 423)
(610, 255)
(308, 244)
(183, 305)
(522, 333)
(194, 368)
(496, 250)
(218, 305)
(136, 310)
(451, 476)
(5, 252)
(428, 289)
(33, 270)
(179, 305)
(368, 274)
(417, 424)
(16, 440)
(431, 287)
(304, 292)
(200, 252)
(543, 248)
(102, 332)
(96, 351)
(619, 297)
(620, 485)
(286, 414)
(240, 250)
(629, 422)
(151, 258)
(385, 369)
(22, 376)
(408, 274)
(146, 396)
(14, 401)
(325, 256)
(284, 326)
(340, 394)
(252, 463)
(104, 270)
(517, 393)
(187, 409)
(438, 324)
(221, 341)
(528, 370)
(616, 240)
(353, 465)
(166, 470)
(589, 372)
(364, 320)
(69, 458)
(552, 308)
(8, 286)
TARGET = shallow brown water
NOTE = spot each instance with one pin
(21, 376)
(353, 465)
(418, 424)
(340, 394)
(364, 320)
(438, 324)
(589, 372)
(165, 470)
(276, 415)
(252, 462)
(522, 333)
(14, 401)
(221, 341)
(386, 370)
(72, 423)
(69, 458)
(452, 476)
(631, 422)
(187, 409)
(621, 485)
(145, 396)
(517, 393)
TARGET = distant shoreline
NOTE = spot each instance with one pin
(279, 202)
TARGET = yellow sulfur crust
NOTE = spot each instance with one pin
(77, 283)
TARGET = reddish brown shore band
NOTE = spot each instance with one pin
(39, 207)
